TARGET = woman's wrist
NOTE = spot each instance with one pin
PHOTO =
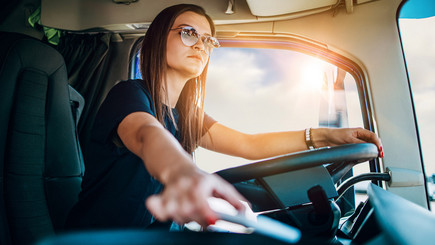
(318, 137)
(176, 166)
(183, 171)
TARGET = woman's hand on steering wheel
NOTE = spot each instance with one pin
(339, 136)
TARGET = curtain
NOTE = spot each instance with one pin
(86, 58)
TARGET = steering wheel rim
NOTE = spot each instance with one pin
(349, 153)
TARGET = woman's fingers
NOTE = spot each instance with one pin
(186, 200)
(155, 206)
(368, 136)
(179, 210)
(353, 136)
(228, 193)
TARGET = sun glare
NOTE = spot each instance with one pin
(312, 76)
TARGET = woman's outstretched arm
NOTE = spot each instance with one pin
(187, 188)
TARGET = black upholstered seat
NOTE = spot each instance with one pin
(41, 166)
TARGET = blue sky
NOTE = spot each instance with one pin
(418, 9)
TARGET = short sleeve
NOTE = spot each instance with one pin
(123, 99)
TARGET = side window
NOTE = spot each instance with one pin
(268, 90)
(135, 68)
(419, 49)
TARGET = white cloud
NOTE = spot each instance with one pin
(418, 37)
(243, 70)
(240, 84)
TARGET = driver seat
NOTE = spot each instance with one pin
(41, 164)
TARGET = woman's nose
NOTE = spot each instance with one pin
(199, 45)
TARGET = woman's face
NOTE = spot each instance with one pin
(187, 62)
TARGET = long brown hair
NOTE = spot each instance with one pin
(153, 66)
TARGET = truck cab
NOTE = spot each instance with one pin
(282, 65)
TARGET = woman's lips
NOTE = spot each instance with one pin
(195, 57)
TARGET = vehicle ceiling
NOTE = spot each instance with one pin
(135, 15)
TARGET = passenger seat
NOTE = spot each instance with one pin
(41, 165)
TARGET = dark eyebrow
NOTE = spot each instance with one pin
(182, 25)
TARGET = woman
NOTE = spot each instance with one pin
(146, 131)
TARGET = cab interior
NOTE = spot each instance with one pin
(59, 59)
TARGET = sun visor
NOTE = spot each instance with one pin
(298, 8)
(281, 7)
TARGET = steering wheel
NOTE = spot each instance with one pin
(281, 185)
(339, 159)
(286, 182)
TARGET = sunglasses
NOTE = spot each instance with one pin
(189, 37)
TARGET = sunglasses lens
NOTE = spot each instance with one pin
(189, 36)
(212, 42)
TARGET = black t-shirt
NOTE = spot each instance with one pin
(116, 182)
